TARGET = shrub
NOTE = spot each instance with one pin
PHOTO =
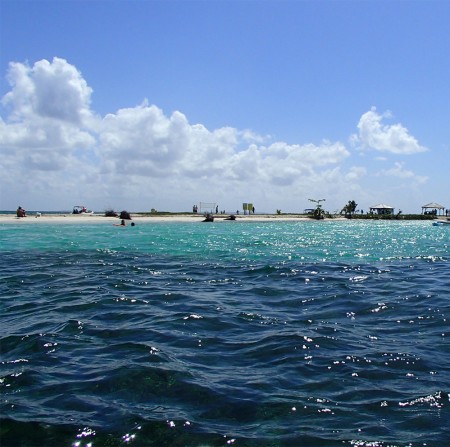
(110, 213)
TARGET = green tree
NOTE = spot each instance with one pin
(349, 209)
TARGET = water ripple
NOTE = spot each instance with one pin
(252, 335)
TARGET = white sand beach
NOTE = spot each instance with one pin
(138, 218)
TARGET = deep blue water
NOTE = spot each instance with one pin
(232, 333)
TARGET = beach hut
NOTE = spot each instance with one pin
(382, 209)
(435, 208)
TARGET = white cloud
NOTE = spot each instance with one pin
(48, 90)
(140, 157)
(356, 173)
(49, 115)
(398, 171)
(395, 138)
(141, 140)
(288, 164)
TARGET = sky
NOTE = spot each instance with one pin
(163, 104)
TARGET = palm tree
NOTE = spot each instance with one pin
(349, 209)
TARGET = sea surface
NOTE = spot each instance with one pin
(331, 333)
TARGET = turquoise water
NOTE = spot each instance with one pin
(233, 333)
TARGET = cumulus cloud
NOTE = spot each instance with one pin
(141, 138)
(286, 164)
(394, 138)
(48, 90)
(143, 141)
(49, 115)
(65, 153)
(398, 171)
(356, 173)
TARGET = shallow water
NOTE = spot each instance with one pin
(236, 333)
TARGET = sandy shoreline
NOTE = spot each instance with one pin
(100, 218)
(138, 218)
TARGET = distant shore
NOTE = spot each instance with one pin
(143, 218)
(175, 217)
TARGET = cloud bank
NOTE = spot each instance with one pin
(141, 158)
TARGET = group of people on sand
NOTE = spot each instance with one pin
(21, 212)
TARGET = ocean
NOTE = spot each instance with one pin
(306, 333)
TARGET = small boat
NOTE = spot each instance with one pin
(440, 223)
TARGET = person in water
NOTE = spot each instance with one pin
(122, 224)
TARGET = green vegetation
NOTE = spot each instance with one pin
(110, 213)
(349, 209)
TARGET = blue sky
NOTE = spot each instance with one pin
(163, 104)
